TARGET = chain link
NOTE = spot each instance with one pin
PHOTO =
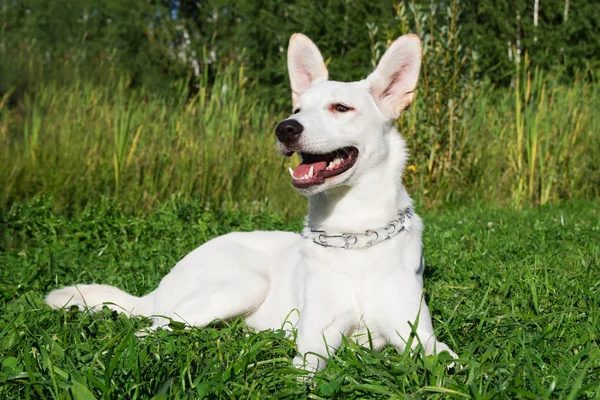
(351, 239)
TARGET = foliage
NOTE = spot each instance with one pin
(155, 43)
(516, 293)
(261, 30)
(87, 38)
(566, 38)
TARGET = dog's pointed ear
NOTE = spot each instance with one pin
(394, 81)
(305, 65)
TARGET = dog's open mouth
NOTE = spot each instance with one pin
(316, 168)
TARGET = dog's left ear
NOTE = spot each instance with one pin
(394, 81)
(305, 65)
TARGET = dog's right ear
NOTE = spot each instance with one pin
(305, 65)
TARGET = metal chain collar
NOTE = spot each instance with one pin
(359, 240)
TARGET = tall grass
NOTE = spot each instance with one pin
(549, 120)
(82, 141)
(536, 141)
(527, 145)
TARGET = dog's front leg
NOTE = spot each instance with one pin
(320, 331)
(314, 344)
(327, 312)
(422, 327)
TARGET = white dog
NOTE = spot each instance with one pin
(356, 266)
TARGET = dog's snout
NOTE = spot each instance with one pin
(288, 131)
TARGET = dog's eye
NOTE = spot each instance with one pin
(296, 111)
(341, 108)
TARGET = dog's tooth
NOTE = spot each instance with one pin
(330, 165)
(311, 172)
(291, 171)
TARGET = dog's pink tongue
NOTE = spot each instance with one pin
(303, 169)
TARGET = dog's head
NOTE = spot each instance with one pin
(339, 128)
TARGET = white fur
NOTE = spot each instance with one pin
(305, 65)
(279, 279)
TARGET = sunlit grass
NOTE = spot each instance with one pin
(540, 136)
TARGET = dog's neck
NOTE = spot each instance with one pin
(372, 202)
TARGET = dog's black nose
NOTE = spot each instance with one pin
(288, 131)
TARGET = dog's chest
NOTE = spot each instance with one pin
(354, 276)
(361, 290)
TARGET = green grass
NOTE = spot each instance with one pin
(515, 293)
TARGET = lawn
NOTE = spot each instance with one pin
(515, 293)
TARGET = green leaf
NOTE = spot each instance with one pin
(80, 392)
(10, 363)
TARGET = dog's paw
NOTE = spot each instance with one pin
(441, 349)
(310, 364)
(307, 376)
(453, 355)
